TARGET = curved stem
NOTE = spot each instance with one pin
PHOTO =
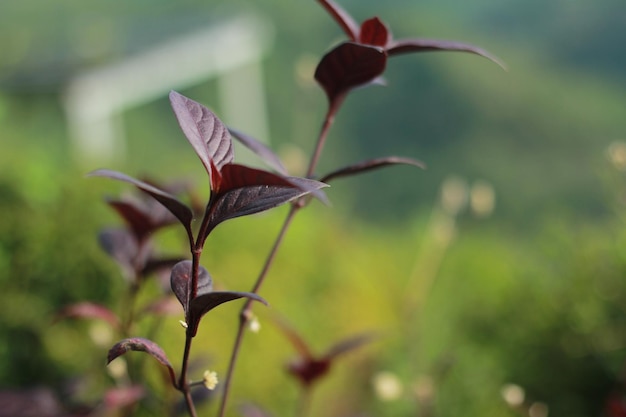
(321, 140)
(245, 313)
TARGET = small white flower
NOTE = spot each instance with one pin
(210, 380)
(255, 324)
(183, 323)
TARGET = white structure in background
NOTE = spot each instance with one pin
(230, 52)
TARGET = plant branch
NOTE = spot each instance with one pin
(244, 316)
(183, 384)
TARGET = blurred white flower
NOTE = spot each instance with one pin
(454, 195)
(513, 394)
(538, 409)
(616, 153)
(387, 386)
(482, 199)
(210, 380)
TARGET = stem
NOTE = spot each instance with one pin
(245, 313)
(183, 384)
(321, 140)
(304, 402)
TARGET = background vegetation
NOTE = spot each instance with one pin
(469, 301)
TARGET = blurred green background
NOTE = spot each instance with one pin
(495, 277)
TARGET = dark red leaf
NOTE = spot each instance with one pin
(140, 344)
(374, 32)
(404, 46)
(88, 310)
(253, 199)
(240, 176)
(180, 280)
(141, 218)
(294, 338)
(116, 398)
(261, 150)
(309, 371)
(122, 246)
(348, 66)
(347, 23)
(177, 208)
(348, 345)
(206, 133)
(369, 165)
(206, 302)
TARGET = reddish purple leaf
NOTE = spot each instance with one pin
(403, 46)
(347, 23)
(143, 219)
(204, 130)
(180, 280)
(252, 191)
(371, 164)
(122, 246)
(348, 345)
(177, 208)
(374, 32)
(138, 220)
(88, 310)
(239, 176)
(116, 398)
(206, 302)
(348, 66)
(140, 344)
(261, 150)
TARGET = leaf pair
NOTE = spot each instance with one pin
(236, 190)
(308, 367)
(205, 299)
(362, 60)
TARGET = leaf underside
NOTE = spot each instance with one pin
(348, 66)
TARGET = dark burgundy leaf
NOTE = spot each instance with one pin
(404, 46)
(312, 186)
(116, 398)
(206, 302)
(369, 165)
(140, 344)
(122, 246)
(294, 338)
(177, 208)
(260, 149)
(348, 345)
(88, 310)
(138, 220)
(309, 371)
(206, 133)
(239, 176)
(347, 23)
(348, 66)
(374, 32)
(180, 280)
(250, 200)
